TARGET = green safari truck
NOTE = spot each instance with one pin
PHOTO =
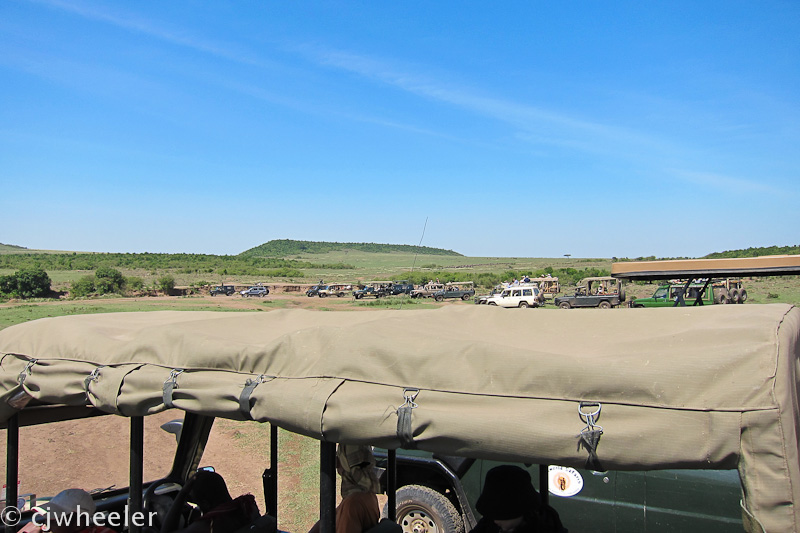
(695, 294)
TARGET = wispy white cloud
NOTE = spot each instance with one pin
(133, 23)
(537, 125)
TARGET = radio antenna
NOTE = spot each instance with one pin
(420, 244)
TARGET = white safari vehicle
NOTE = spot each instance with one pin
(616, 396)
(516, 296)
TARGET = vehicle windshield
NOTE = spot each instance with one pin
(88, 453)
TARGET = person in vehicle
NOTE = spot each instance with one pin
(220, 512)
(359, 510)
(510, 504)
(70, 511)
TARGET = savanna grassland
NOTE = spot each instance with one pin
(237, 449)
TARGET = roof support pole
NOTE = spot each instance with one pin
(327, 487)
(12, 470)
(699, 300)
(544, 484)
(391, 484)
(271, 475)
(680, 301)
(136, 474)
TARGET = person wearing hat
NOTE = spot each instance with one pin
(359, 510)
(509, 504)
(69, 511)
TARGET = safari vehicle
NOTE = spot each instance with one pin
(603, 292)
(256, 290)
(373, 289)
(462, 289)
(695, 292)
(314, 290)
(483, 298)
(644, 424)
(548, 286)
(427, 290)
(227, 290)
(517, 296)
(401, 287)
(338, 290)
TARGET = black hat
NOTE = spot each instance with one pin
(507, 493)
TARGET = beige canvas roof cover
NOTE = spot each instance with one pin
(696, 387)
(768, 265)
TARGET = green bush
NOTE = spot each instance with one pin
(108, 280)
(166, 283)
(134, 283)
(26, 283)
(82, 288)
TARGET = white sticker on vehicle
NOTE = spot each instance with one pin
(564, 481)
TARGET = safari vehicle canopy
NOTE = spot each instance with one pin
(710, 387)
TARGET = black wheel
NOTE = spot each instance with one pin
(465, 297)
(323, 295)
(423, 510)
(266, 293)
(492, 303)
(742, 296)
(622, 293)
(722, 297)
(734, 295)
(523, 305)
(439, 298)
(565, 305)
(605, 304)
(358, 296)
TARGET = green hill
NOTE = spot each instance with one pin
(8, 248)
(756, 252)
(285, 247)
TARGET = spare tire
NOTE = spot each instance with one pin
(742, 296)
(423, 509)
(734, 295)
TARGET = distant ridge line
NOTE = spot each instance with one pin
(284, 247)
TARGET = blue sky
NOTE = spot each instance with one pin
(517, 129)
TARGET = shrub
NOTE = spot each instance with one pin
(134, 283)
(166, 283)
(107, 280)
(772, 295)
(82, 288)
(8, 284)
(26, 283)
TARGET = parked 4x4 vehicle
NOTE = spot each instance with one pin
(314, 290)
(401, 287)
(517, 296)
(427, 290)
(257, 290)
(463, 290)
(604, 292)
(337, 290)
(698, 292)
(373, 289)
(227, 290)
